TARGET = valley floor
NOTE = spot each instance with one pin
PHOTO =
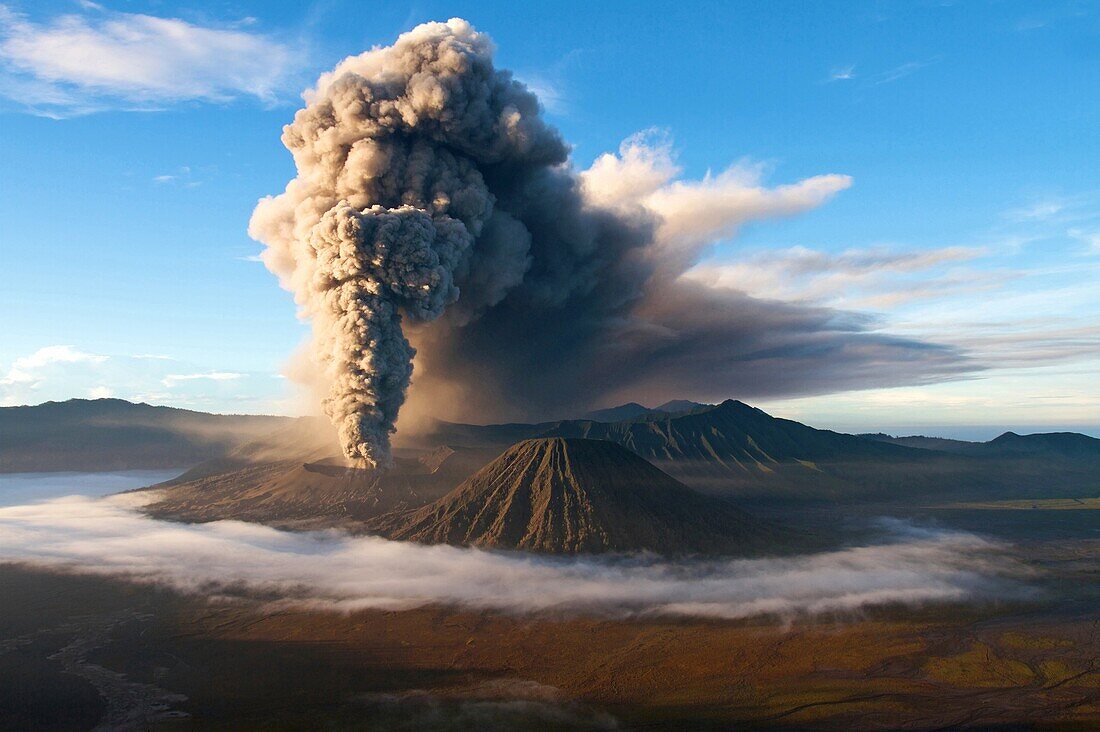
(80, 651)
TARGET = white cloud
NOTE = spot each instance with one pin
(1091, 237)
(57, 373)
(1055, 397)
(182, 176)
(1029, 342)
(876, 277)
(549, 92)
(26, 370)
(338, 571)
(842, 73)
(695, 213)
(900, 72)
(172, 379)
(1040, 210)
(549, 84)
(1052, 216)
(102, 59)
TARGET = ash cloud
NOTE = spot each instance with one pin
(334, 571)
(430, 188)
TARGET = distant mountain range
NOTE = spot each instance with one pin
(728, 436)
(633, 410)
(1049, 444)
(734, 449)
(257, 466)
(113, 434)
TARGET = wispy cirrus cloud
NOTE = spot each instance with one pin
(1058, 211)
(843, 73)
(901, 71)
(28, 370)
(1050, 217)
(102, 59)
(1090, 237)
(181, 176)
(1036, 341)
(550, 83)
(1039, 210)
(875, 277)
(173, 379)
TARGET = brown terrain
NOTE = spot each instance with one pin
(292, 478)
(75, 651)
(296, 494)
(553, 495)
(571, 496)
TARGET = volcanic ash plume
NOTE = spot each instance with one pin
(380, 223)
(370, 267)
(429, 187)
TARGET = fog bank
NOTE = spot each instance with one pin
(332, 570)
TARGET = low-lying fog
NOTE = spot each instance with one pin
(17, 488)
(908, 564)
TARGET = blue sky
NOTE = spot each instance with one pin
(968, 130)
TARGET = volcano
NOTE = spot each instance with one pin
(293, 478)
(574, 496)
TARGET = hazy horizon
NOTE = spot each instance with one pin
(970, 432)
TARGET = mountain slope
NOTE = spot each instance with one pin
(113, 434)
(732, 449)
(1048, 444)
(725, 434)
(633, 410)
(629, 410)
(293, 477)
(680, 405)
(730, 437)
(296, 494)
(579, 496)
(1067, 445)
(942, 444)
(299, 440)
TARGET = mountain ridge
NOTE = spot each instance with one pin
(730, 450)
(115, 434)
(1065, 444)
(734, 449)
(634, 410)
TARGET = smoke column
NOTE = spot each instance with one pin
(390, 211)
(370, 267)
